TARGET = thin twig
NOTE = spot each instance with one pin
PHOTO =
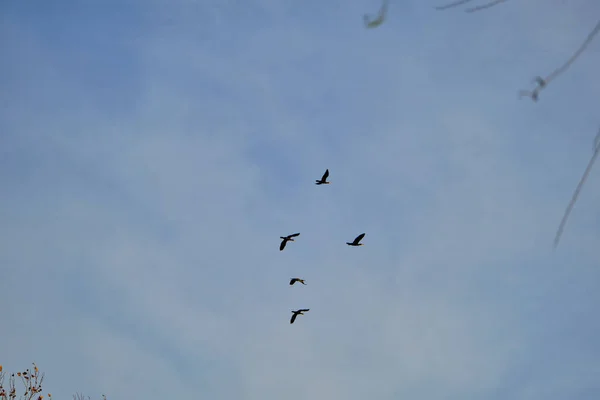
(577, 190)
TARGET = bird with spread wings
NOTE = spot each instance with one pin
(357, 240)
(285, 239)
(323, 180)
(298, 312)
(294, 280)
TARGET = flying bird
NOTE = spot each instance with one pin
(379, 19)
(294, 280)
(323, 180)
(357, 240)
(296, 313)
(288, 238)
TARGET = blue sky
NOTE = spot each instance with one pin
(152, 153)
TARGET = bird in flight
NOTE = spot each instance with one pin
(288, 238)
(375, 22)
(357, 240)
(294, 280)
(296, 313)
(323, 180)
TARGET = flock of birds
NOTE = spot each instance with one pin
(541, 83)
(290, 238)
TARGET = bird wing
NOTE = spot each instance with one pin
(293, 280)
(325, 175)
(293, 318)
(282, 245)
(359, 238)
(304, 310)
(294, 235)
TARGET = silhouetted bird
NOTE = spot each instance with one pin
(296, 313)
(357, 240)
(294, 280)
(286, 239)
(323, 180)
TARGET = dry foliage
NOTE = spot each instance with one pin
(31, 381)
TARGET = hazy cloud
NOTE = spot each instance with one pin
(152, 153)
